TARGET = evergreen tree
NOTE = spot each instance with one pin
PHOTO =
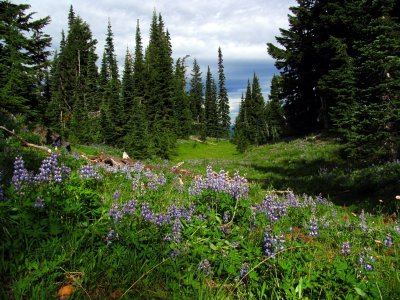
(255, 113)
(223, 100)
(138, 66)
(211, 107)
(182, 111)
(159, 88)
(128, 87)
(196, 98)
(73, 81)
(110, 89)
(23, 60)
(274, 114)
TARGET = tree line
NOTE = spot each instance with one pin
(143, 109)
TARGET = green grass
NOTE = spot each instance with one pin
(70, 241)
(311, 165)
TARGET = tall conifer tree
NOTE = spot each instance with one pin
(223, 100)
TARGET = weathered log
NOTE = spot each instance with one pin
(25, 143)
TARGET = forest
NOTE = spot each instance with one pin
(304, 205)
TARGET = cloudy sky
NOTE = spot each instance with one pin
(197, 28)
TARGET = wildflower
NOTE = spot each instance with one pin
(205, 267)
(397, 228)
(146, 212)
(20, 175)
(345, 248)
(88, 171)
(111, 236)
(177, 231)
(227, 216)
(272, 243)
(363, 221)
(313, 227)
(115, 213)
(244, 271)
(365, 262)
(117, 195)
(129, 208)
(39, 203)
(388, 242)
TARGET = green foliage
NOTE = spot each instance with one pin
(23, 60)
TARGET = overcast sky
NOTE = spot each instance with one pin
(197, 28)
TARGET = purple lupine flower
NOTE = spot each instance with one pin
(345, 248)
(39, 203)
(313, 228)
(244, 271)
(111, 236)
(21, 175)
(88, 171)
(146, 212)
(388, 242)
(365, 262)
(205, 267)
(201, 217)
(138, 167)
(363, 221)
(161, 218)
(177, 231)
(272, 243)
(397, 228)
(135, 182)
(129, 208)
(272, 208)
(117, 195)
(227, 216)
(115, 212)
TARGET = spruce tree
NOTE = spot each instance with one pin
(274, 114)
(23, 60)
(223, 100)
(110, 88)
(211, 106)
(196, 99)
(182, 111)
(127, 87)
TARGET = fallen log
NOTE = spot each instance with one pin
(25, 143)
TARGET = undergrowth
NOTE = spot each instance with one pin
(153, 232)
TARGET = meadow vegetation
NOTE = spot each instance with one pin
(257, 225)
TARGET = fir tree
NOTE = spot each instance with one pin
(196, 98)
(223, 101)
(211, 107)
(23, 60)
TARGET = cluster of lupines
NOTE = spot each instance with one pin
(313, 227)
(20, 176)
(237, 187)
(88, 171)
(272, 207)
(272, 243)
(49, 171)
(205, 267)
(154, 181)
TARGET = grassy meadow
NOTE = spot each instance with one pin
(290, 220)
